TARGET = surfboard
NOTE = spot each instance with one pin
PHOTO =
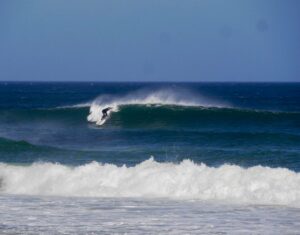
(101, 122)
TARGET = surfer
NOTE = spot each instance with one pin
(104, 112)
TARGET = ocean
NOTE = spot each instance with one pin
(176, 158)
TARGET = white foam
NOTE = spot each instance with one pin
(150, 179)
(180, 97)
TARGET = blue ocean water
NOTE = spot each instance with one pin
(246, 124)
(170, 157)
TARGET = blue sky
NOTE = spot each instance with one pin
(157, 40)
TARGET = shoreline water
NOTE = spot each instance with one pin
(131, 216)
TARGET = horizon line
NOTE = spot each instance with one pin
(135, 81)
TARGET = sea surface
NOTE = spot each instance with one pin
(177, 158)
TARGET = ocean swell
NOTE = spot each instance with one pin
(150, 179)
(178, 97)
(182, 108)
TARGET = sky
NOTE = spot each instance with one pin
(157, 40)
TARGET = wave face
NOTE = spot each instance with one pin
(157, 116)
(179, 108)
(171, 97)
(187, 180)
(168, 116)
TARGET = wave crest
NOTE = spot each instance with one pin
(187, 180)
(179, 97)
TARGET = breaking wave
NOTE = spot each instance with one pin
(167, 116)
(170, 107)
(150, 179)
(159, 116)
(173, 97)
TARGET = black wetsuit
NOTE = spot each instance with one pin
(104, 112)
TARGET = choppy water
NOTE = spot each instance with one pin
(232, 144)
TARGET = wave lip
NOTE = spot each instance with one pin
(150, 179)
(74, 106)
(179, 97)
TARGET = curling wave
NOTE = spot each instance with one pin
(167, 116)
(174, 97)
(182, 108)
(161, 116)
(187, 180)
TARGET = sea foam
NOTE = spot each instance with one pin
(151, 179)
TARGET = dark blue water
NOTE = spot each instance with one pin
(246, 124)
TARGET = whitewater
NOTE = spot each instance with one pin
(150, 179)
